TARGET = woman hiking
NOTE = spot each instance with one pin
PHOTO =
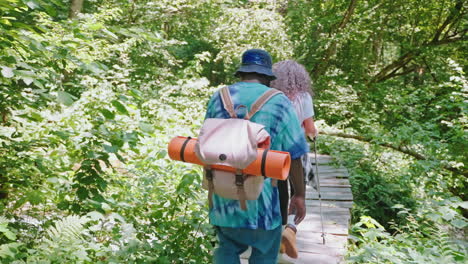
(294, 81)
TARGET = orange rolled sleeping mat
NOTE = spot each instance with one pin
(276, 164)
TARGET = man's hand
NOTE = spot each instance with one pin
(297, 207)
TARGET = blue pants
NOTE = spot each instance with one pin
(234, 241)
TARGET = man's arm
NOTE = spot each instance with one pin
(297, 204)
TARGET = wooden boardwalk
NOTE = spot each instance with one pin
(337, 200)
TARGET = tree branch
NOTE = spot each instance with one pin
(348, 14)
(395, 73)
(322, 66)
(449, 20)
(395, 65)
(430, 71)
(396, 148)
(389, 71)
(450, 39)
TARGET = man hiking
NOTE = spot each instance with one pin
(258, 223)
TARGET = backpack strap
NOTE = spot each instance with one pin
(209, 177)
(257, 105)
(227, 101)
(240, 177)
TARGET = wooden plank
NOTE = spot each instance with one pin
(328, 229)
(311, 208)
(337, 175)
(322, 168)
(348, 196)
(328, 219)
(317, 253)
(334, 181)
(330, 196)
(310, 258)
(316, 238)
(330, 191)
(321, 159)
(328, 213)
(337, 199)
(335, 185)
(333, 248)
(330, 226)
(338, 204)
(324, 189)
(332, 171)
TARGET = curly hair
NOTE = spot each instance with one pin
(292, 78)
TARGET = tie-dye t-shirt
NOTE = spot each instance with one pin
(280, 120)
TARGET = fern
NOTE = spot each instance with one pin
(8, 250)
(64, 242)
(69, 228)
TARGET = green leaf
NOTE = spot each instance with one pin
(93, 67)
(110, 149)
(82, 193)
(7, 72)
(95, 26)
(447, 213)
(25, 74)
(27, 80)
(459, 223)
(20, 202)
(464, 204)
(161, 154)
(63, 205)
(135, 93)
(35, 117)
(5, 22)
(106, 207)
(107, 114)
(147, 128)
(88, 180)
(95, 215)
(102, 184)
(120, 107)
(434, 216)
(4, 229)
(65, 98)
(32, 4)
(34, 197)
(6, 249)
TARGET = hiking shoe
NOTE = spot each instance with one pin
(288, 242)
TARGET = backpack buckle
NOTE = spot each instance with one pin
(208, 174)
(239, 178)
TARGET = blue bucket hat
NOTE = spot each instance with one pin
(256, 60)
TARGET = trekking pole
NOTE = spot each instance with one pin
(318, 187)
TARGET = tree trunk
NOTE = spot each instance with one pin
(75, 8)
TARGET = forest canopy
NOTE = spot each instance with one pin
(92, 90)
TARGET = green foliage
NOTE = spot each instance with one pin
(392, 76)
(63, 242)
(87, 106)
(246, 28)
(422, 240)
(402, 217)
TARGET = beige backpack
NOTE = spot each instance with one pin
(232, 142)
